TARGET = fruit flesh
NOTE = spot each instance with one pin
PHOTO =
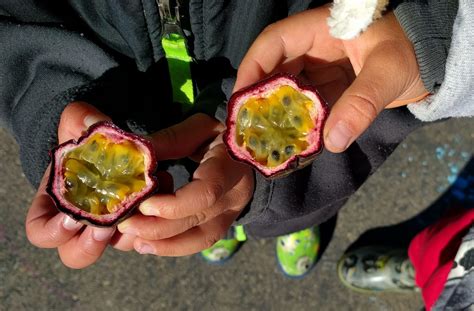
(275, 127)
(100, 174)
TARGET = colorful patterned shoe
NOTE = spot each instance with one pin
(222, 251)
(297, 252)
(376, 269)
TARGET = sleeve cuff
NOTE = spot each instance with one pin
(429, 25)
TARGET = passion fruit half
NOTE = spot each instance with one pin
(276, 125)
(102, 176)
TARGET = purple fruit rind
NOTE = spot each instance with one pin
(56, 179)
(259, 89)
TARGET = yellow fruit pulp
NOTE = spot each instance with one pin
(275, 127)
(100, 174)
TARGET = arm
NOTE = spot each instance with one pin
(385, 69)
(42, 69)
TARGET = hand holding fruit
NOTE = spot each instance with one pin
(382, 58)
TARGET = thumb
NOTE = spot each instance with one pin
(76, 118)
(186, 138)
(385, 76)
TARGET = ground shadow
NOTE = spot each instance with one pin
(459, 194)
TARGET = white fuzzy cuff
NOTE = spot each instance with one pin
(351, 17)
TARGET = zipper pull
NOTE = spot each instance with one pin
(170, 17)
(175, 46)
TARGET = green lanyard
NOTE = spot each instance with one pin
(179, 64)
(176, 52)
(239, 233)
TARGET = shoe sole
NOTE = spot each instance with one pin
(369, 291)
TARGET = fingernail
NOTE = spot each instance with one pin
(148, 209)
(124, 227)
(145, 249)
(339, 137)
(102, 234)
(90, 120)
(70, 224)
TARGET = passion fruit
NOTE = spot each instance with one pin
(100, 178)
(276, 125)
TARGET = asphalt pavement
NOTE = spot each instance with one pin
(421, 169)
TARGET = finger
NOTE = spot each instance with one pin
(86, 248)
(45, 227)
(191, 241)
(157, 228)
(76, 118)
(304, 33)
(216, 175)
(382, 79)
(184, 139)
(51, 229)
(122, 242)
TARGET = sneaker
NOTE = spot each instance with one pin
(376, 269)
(297, 252)
(222, 251)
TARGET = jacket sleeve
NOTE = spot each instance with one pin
(446, 62)
(441, 32)
(42, 66)
(428, 25)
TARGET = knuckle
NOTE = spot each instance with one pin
(173, 213)
(169, 136)
(213, 192)
(201, 217)
(364, 105)
(53, 237)
(156, 233)
(196, 220)
(268, 35)
(88, 252)
(270, 28)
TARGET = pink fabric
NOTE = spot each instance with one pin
(433, 250)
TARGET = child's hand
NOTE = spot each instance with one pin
(48, 228)
(199, 213)
(382, 58)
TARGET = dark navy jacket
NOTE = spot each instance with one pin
(108, 53)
